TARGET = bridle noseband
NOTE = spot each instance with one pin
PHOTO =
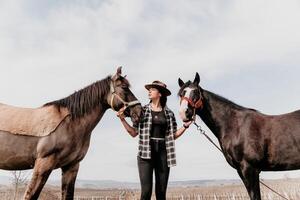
(125, 103)
(196, 105)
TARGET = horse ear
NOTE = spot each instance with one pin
(197, 79)
(118, 74)
(180, 82)
(119, 71)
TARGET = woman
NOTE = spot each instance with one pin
(157, 131)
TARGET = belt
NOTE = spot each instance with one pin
(159, 139)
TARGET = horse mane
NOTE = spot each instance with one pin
(228, 102)
(82, 102)
(216, 96)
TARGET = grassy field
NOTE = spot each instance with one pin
(289, 188)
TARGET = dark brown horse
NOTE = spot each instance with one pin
(251, 141)
(67, 145)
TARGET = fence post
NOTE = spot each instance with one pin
(233, 196)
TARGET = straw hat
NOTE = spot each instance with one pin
(160, 86)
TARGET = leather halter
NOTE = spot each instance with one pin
(125, 103)
(197, 105)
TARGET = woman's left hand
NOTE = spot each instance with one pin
(187, 124)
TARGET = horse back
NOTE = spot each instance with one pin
(270, 142)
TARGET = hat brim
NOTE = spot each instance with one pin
(162, 90)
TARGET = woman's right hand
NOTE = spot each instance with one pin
(120, 114)
(132, 131)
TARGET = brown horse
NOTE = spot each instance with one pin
(251, 141)
(67, 145)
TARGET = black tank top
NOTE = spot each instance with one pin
(159, 124)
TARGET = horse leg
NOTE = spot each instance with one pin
(69, 174)
(250, 178)
(42, 169)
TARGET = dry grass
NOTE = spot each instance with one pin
(289, 188)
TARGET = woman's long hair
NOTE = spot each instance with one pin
(163, 101)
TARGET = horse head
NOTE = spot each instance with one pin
(191, 98)
(121, 97)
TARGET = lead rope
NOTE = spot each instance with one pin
(199, 128)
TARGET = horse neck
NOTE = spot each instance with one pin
(218, 113)
(90, 120)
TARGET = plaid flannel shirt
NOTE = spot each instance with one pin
(144, 129)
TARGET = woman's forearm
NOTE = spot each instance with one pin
(179, 132)
(132, 131)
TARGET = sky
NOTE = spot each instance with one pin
(246, 51)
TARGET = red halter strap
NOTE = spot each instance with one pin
(196, 105)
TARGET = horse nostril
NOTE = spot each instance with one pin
(141, 114)
(188, 113)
